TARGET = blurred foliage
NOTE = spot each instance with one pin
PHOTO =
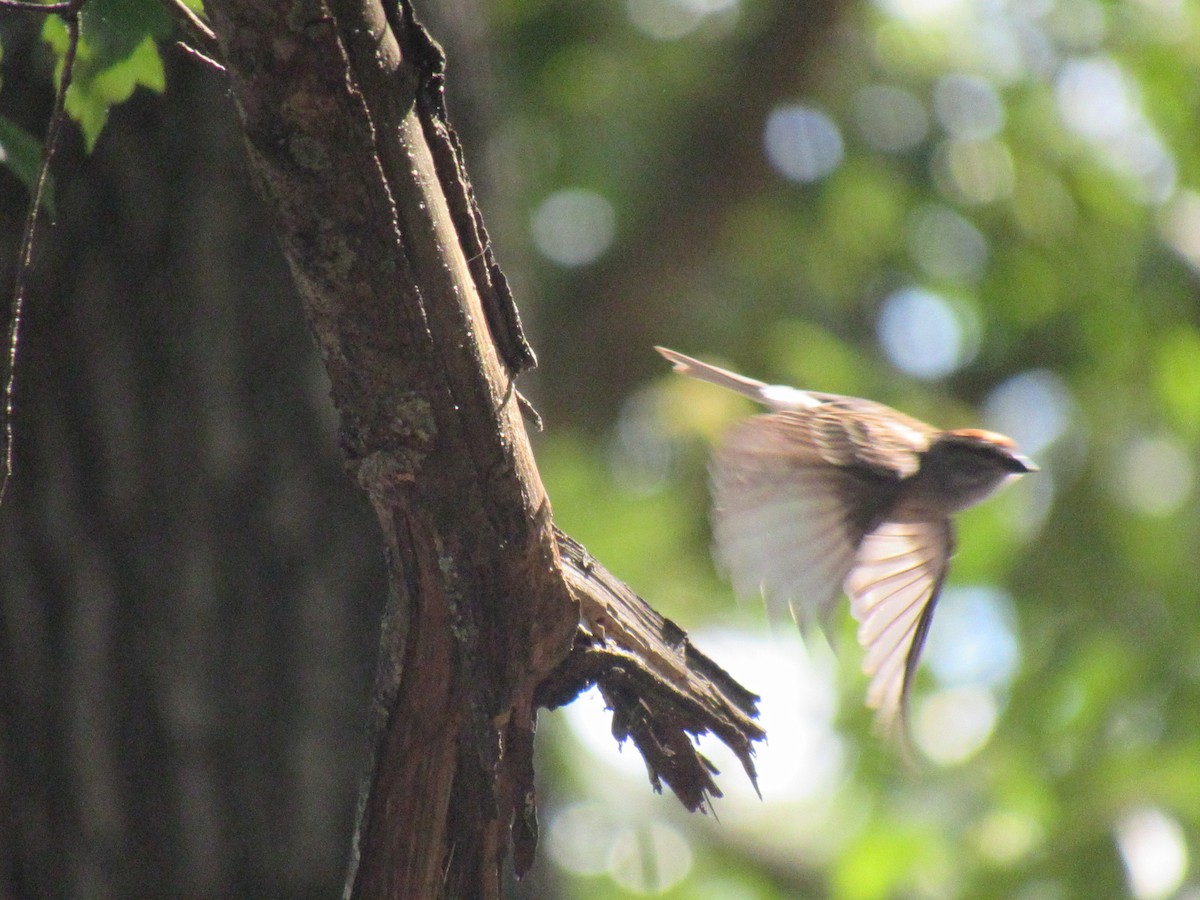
(1078, 268)
(1030, 168)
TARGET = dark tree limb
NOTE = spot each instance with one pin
(345, 126)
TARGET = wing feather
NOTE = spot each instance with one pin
(782, 523)
(893, 588)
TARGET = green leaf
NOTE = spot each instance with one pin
(115, 29)
(90, 98)
(21, 153)
(116, 54)
(54, 33)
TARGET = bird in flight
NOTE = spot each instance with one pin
(825, 494)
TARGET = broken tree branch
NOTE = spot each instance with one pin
(345, 125)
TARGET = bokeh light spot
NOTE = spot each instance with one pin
(974, 172)
(1155, 475)
(650, 858)
(945, 244)
(1009, 49)
(580, 838)
(923, 333)
(973, 641)
(1094, 99)
(967, 107)
(1154, 851)
(953, 725)
(890, 118)
(1005, 837)
(923, 11)
(1097, 101)
(1145, 160)
(1034, 408)
(802, 143)
(574, 227)
(1180, 225)
(669, 20)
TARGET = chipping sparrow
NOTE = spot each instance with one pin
(826, 493)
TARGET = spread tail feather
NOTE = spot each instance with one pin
(776, 396)
(685, 365)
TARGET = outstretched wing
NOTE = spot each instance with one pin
(893, 588)
(786, 522)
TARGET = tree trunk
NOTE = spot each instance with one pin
(491, 612)
(344, 126)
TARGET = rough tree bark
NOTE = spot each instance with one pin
(492, 612)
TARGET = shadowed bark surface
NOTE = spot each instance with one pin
(191, 585)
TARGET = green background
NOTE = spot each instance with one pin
(983, 214)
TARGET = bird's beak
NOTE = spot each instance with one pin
(1021, 465)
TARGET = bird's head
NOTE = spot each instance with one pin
(969, 464)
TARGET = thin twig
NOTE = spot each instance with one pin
(33, 6)
(25, 259)
(203, 40)
(196, 54)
